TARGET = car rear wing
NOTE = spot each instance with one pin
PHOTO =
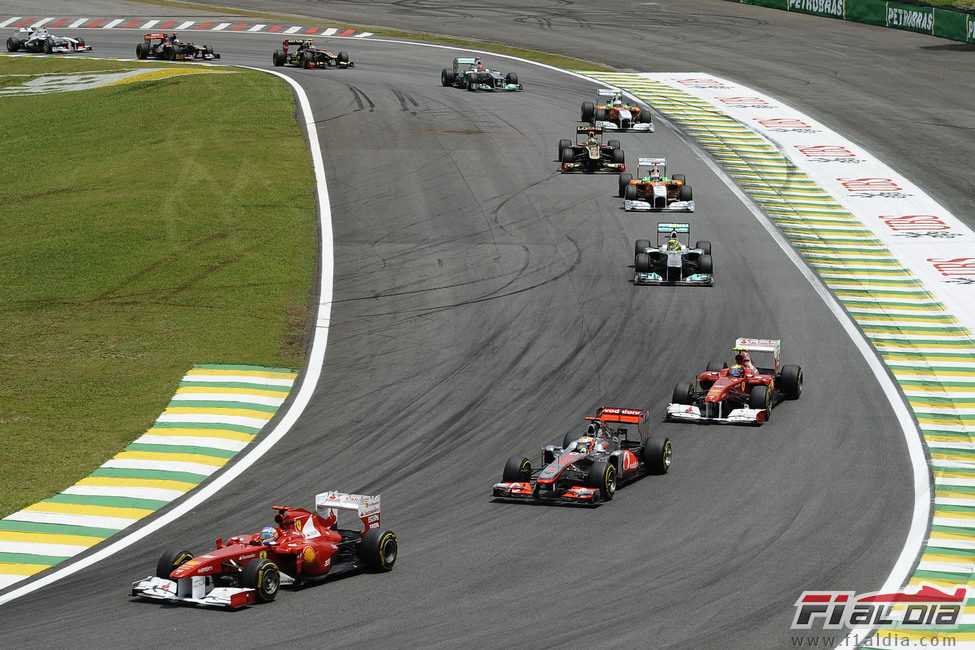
(606, 92)
(673, 227)
(651, 162)
(616, 414)
(589, 129)
(152, 36)
(367, 507)
(467, 60)
(759, 345)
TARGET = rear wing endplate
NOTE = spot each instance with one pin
(367, 507)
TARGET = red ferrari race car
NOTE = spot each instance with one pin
(304, 546)
(743, 393)
(588, 469)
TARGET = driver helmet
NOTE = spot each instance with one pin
(655, 174)
(617, 102)
(673, 245)
(480, 66)
(737, 371)
(267, 535)
(584, 445)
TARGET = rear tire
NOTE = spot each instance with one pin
(613, 144)
(602, 476)
(278, 58)
(641, 246)
(790, 382)
(704, 246)
(447, 77)
(679, 177)
(684, 393)
(657, 455)
(588, 110)
(140, 51)
(262, 575)
(625, 179)
(704, 264)
(685, 193)
(170, 561)
(378, 549)
(13, 44)
(517, 470)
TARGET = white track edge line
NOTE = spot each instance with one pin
(302, 398)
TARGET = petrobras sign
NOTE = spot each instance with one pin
(835, 8)
(918, 19)
(971, 28)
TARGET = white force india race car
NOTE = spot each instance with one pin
(653, 191)
(614, 114)
(38, 39)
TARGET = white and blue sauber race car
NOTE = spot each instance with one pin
(38, 39)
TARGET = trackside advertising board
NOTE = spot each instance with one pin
(946, 22)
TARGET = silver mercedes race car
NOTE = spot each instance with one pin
(672, 260)
(471, 73)
(38, 39)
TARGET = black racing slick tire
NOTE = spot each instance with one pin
(564, 143)
(511, 78)
(140, 51)
(588, 110)
(644, 116)
(618, 157)
(13, 44)
(48, 48)
(602, 476)
(625, 179)
(278, 58)
(679, 177)
(683, 393)
(599, 115)
(262, 575)
(378, 549)
(170, 561)
(705, 265)
(309, 60)
(629, 193)
(704, 246)
(171, 53)
(685, 193)
(641, 246)
(641, 263)
(81, 42)
(657, 455)
(761, 398)
(790, 382)
(568, 155)
(343, 57)
(447, 77)
(613, 144)
(517, 470)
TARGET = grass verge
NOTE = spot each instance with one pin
(541, 56)
(147, 226)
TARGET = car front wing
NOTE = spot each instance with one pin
(735, 416)
(522, 491)
(692, 280)
(638, 126)
(644, 206)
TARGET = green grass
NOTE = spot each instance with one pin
(146, 227)
(550, 58)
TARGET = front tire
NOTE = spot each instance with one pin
(630, 193)
(517, 470)
(602, 476)
(685, 193)
(511, 78)
(568, 155)
(564, 143)
(343, 57)
(761, 398)
(263, 577)
(48, 48)
(684, 393)
(644, 117)
(641, 263)
(657, 455)
(170, 561)
(625, 179)
(378, 549)
(704, 264)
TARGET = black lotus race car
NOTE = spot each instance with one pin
(470, 73)
(591, 155)
(170, 48)
(38, 39)
(588, 469)
(303, 54)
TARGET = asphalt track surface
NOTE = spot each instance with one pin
(482, 307)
